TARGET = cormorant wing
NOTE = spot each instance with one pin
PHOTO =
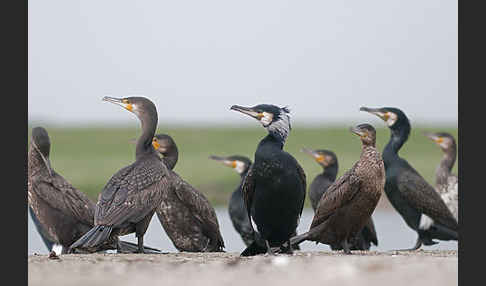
(248, 189)
(199, 205)
(131, 193)
(369, 232)
(337, 195)
(61, 195)
(423, 197)
(304, 182)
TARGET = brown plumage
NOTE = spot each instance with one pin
(185, 213)
(64, 213)
(128, 201)
(346, 207)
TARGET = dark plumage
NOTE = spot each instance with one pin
(329, 163)
(236, 207)
(446, 183)
(62, 213)
(128, 201)
(418, 203)
(185, 213)
(275, 185)
(346, 207)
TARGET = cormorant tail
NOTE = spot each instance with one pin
(296, 240)
(254, 249)
(129, 247)
(93, 238)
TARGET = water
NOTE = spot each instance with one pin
(392, 231)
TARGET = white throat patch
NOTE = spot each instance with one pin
(240, 167)
(392, 118)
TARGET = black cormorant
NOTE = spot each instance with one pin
(129, 199)
(275, 185)
(61, 213)
(418, 203)
(236, 207)
(185, 213)
(329, 163)
(347, 205)
(446, 183)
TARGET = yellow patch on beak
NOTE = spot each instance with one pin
(439, 140)
(260, 115)
(129, 107)
(320, 158)
(155, 144)
(386, 116)
(233, 164)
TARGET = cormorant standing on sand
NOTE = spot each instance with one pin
(275, 185)
(236, 207)
(446, 183)
(329, 163)
(128, 201)
(347, 205)
(185, 213)
(62, 213)
(418, 203)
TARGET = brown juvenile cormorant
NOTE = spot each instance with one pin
(446, 183)
(129, 199)
(347, 205)
(185, 213)
(61, 213)
(329, 163)
(275, 185)
(418, 203)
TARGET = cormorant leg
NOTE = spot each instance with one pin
(140, 244)
(269, 249)
(346, 246)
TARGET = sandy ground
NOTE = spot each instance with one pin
(302, 268)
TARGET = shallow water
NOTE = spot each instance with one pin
(392, 231)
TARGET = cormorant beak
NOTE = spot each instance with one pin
(319, 158)
(357, 131)
(376, 111)
(119, 101)
(248, 111)
(433, 137)
(225, 161)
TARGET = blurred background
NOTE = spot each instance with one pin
(194, 59)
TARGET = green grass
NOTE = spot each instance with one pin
(88, 157)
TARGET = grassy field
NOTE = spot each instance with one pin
(88, 157)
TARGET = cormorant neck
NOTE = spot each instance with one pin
(331, 172)
(37, 162)
(397, 138)
(170, 158)
(243, 174)
(272, 139)
(445, 166)
(144, 142)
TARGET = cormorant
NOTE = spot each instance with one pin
(185, 213)
(446, 183)
(236, 208)
(61, 213)
(418, 203)
(275, 185)
(347, 205)
(129, 199)
(329, 163)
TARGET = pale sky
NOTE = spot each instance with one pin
(194, 59)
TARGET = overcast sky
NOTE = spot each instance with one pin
(194, 59)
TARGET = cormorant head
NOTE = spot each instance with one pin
(163, 144)
(366, 132)
(239, 163)
(275, 119)
(443, 139)
(140, 106)
(393, 117)
(325, 158)
(41, 140)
